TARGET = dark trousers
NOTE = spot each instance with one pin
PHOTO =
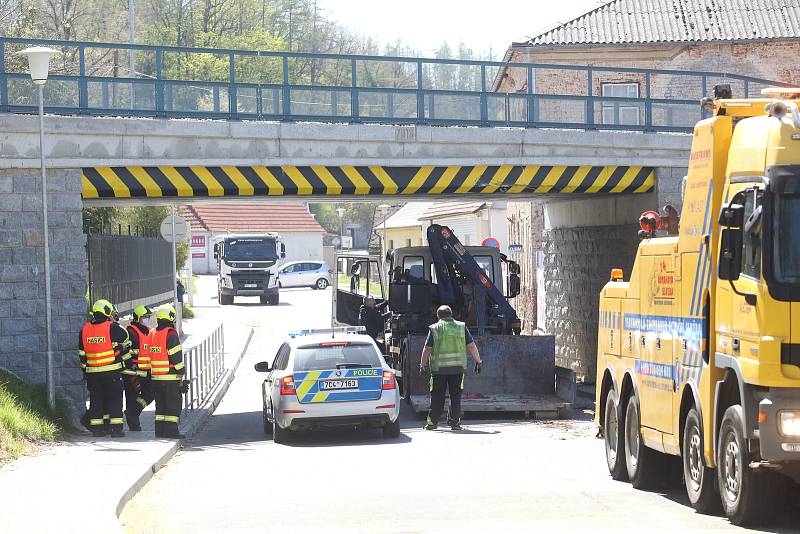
(105, 400)
(168, 407)
(440, 385)
(138, 394)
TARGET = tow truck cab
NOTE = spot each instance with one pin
(247, 267)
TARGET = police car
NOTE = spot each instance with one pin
(329, 378)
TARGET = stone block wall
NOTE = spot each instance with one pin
(23, 342)
(577, 263)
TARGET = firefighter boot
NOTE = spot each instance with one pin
(133, 421)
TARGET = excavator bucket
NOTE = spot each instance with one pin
(519, 375)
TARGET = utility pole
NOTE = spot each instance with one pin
(132, 52)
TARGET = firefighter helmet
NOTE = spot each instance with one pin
(141, 311)
(103, 307)
(166, 312)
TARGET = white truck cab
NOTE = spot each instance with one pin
(247, 267)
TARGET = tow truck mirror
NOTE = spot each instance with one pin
(730, 254)
(262, 367)
(283, 250)
(355, 270)
(216, 251)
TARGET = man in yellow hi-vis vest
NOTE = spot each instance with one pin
(446, 350)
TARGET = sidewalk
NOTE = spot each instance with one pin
(82, 485)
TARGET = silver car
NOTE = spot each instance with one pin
(331, 378)
(313, 274)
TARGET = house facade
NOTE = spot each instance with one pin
(570, 246)
(759, 39)
(210, 223)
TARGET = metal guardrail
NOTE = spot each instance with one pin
(205, 365)
(178, 82)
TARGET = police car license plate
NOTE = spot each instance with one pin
(327, 385)
(249, 285)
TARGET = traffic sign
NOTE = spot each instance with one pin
(491, 242)
(515, 249)
(181, 229)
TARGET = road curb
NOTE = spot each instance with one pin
(196, 424)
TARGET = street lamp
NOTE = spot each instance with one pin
(385, 211)
(340, 211)
(39, 66)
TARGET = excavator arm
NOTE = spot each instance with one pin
(448, 253)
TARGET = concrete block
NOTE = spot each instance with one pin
(6, 184)
(27, 184)
(10, 202)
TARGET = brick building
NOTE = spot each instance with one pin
(758, 38)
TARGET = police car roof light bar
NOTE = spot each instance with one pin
(333, 331)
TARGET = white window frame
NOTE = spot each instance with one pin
(616, 113)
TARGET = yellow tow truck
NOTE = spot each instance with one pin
(699, 351)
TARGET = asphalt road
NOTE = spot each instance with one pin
(496, 476)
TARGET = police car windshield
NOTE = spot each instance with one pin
(335, 356)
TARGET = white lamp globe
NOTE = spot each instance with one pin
(38, 62)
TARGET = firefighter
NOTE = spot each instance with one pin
(166, 373)
(446, 349)
(103, 344)
(138, 392)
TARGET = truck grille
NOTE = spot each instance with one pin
(250, 281)
(790, 354)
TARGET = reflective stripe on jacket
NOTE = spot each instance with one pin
(141, 354)
(98, 349)
(160, 366)
(449, 345)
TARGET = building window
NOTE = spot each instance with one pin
(408, 242)
(615, 112)
(391, 244)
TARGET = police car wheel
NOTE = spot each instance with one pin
(280, 435)
(392, 430)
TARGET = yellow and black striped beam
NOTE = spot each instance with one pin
(211, 182)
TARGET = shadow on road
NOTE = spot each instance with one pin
(787, 522)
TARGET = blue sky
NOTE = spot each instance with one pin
(481, 24)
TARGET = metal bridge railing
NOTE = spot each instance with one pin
(205, 365)
(96, 79)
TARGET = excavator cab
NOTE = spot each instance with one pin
(355, 278)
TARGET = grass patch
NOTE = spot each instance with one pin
(188, 312)
(25, 418)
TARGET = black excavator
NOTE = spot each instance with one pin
(519, 372)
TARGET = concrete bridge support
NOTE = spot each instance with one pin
(23, 341)
(580, 240)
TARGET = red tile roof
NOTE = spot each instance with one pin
(251, 218)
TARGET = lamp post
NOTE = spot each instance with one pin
(340, 211)
(385, 211)
(39, 66)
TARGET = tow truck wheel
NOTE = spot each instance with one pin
(749, 496)
(614, 438)
(280, 435)
(646, 467)
(698, 479)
